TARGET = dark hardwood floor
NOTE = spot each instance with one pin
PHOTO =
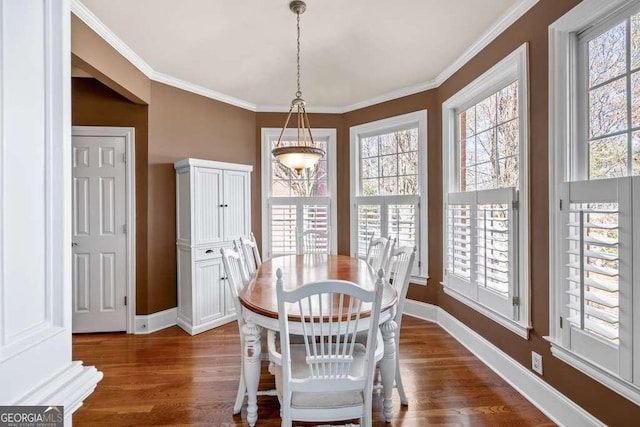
(171, 378)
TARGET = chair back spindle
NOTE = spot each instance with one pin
(251, 254)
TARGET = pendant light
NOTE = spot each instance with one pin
(304, 153)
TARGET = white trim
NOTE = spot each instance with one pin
(421, 310)
(513, 67)
(149, 323)
(510, 17)
(417, 280)
(67, 388)
(419, 119)
(515, 13)
(203, 91)
(212, 164)
(194, 330)
(389, 96)
(560, 409)
(563, 127)
(332, 160)
(130, 189)
(612, 381)
(92, 21)
(518, 329)
(309, 108)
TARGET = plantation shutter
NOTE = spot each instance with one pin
(388, 216)
(288, 215)
(283, 229)
(369, 226)
(481, 248)
(316, 217)
(402, 225)
(597, 251)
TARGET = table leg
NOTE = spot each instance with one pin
(388, 366)
(251, 354)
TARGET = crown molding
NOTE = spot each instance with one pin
(310, 109)
(511, 16)
(201, 90)
(505, 22)
(92, 21)
(389, 96)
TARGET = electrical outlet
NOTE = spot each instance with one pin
(536, 362)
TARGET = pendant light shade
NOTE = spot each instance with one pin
(303, 153)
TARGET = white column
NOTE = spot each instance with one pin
(35, 209)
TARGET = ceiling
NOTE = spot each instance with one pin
(352, 51)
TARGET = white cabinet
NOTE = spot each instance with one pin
(213, 208)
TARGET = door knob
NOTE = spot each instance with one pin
(74, 244)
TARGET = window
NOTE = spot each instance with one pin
(594, 190)
(293, 203)
(388, 185)
(485, 191)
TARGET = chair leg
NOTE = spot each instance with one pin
(242, 389)
(366, 419)
(399, 385)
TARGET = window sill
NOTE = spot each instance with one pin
(603, 376)
(515, 327)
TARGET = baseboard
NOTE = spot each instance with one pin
(148, 323)
(68, 388)
(194, 330)
(421, 310)
(560, 409)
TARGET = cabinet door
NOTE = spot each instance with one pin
(185, 289)
(237, 200)
(209, 291)
(208, 198)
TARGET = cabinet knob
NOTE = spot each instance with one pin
(226, 206)
(208, 251)
(222, 206)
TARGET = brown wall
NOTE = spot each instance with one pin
(182, 124)
(95, 56)
(93, 104)
(421, 101)
(603, 403)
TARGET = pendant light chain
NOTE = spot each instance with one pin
(303, 154)
(299, 92)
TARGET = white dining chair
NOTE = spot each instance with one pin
(330, 376)
(251, 254)
(238, 278)
(378, 252)
(315, 241)
(399, 273)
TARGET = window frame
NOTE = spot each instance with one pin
(567, 123)
(513, 67)
(416, 119)
(267, 136)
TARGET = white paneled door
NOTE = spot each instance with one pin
(99, 233)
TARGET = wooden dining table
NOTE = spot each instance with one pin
(260, 310)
